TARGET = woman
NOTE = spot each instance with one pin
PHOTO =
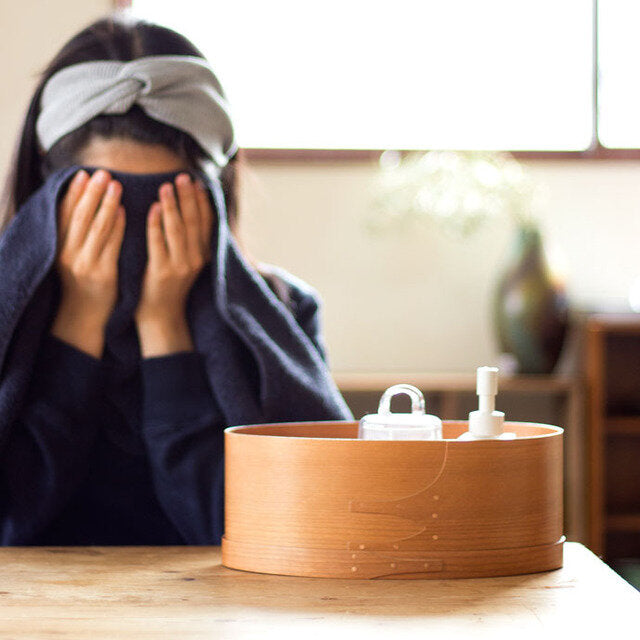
(132, 328)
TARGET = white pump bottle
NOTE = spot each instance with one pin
(486, 423)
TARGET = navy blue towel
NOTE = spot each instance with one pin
(263, 357)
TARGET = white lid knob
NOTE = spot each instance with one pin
(487, 381)
(486, 422)
(386, 425)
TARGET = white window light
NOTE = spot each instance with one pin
(406, 74)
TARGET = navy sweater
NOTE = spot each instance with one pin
(75, 472)
(128, 451)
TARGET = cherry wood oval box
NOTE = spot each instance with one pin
(310, 499)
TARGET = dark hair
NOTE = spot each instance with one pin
(118, 37)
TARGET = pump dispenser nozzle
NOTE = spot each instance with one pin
(486, 423)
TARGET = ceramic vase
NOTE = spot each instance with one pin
(530, 307)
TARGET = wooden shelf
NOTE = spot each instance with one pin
(613, 379)
(615, 322)
(629, 522)
(355, 381)
(623, 426)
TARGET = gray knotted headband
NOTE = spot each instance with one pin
(181, 91)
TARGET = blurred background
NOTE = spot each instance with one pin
(431, 261)
(427, 75)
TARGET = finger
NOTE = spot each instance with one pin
(156, 244)
(100, 229)
(206, 218)
(85, 210)
(174, 229)
(111, 250)
(190, 214)
(70, 200)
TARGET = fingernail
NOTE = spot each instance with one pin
(166, 190)
(100, 176)
(183, 179)
(113, 189)
(80, 176)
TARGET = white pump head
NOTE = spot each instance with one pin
(486, 422)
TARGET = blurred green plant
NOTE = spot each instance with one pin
(459, 190)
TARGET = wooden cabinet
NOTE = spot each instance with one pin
(556, 400)
(613, 379)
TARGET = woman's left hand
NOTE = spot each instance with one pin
(178, 246)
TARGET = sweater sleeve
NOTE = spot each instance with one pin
(46, 453)
(183, 430)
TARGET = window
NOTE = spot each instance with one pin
(618, 61)
(418, 74)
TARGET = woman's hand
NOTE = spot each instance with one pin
(178, 246)
(90, 230)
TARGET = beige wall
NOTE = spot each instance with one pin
(422, 301)
(416, 302)
(31, 32)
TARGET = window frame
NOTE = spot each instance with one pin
(363, 155)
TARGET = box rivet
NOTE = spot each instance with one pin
(361, 546)
(354, 568)
(434, 515)
(435, 537)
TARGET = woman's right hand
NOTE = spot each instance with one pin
(90, 230)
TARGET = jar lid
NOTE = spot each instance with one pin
(386, 425)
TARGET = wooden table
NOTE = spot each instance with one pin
(184, 593)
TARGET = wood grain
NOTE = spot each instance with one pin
(451, 393)
(142, 593)
(298, 495)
